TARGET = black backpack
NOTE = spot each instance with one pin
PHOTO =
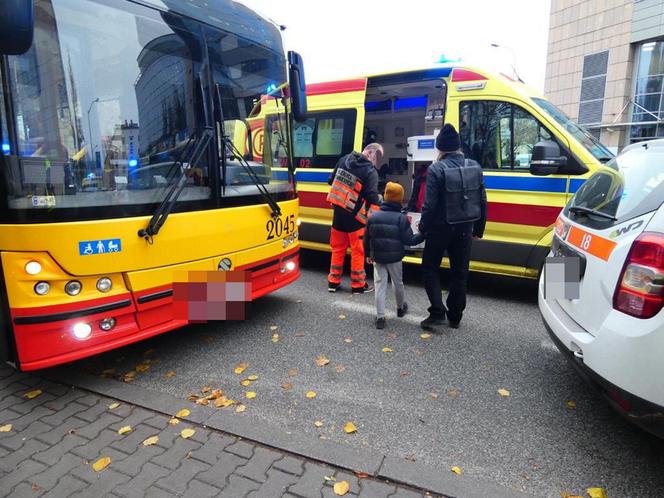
(463, 192)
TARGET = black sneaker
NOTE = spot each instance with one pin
(431, 322)
(380, 323)
(402, 311)
(363, 290)
(333, 287)
(454, 325)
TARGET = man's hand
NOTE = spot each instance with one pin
(370, 261)
(476, 237)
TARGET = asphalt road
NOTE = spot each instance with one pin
(434, 400)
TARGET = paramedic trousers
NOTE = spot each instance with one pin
(395, 271)
(456, 240)
(340, 242)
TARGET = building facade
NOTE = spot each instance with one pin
(605, 67)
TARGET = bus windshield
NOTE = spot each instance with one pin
(593, 146)
(102, 110)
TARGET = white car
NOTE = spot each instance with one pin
(610, 239)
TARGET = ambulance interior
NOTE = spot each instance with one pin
(395, 113)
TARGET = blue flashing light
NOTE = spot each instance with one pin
(91, 175)
(271, 88)
(133, 163)
(410, 103)
(444, 59)
(5, 147)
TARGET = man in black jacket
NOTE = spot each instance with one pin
(354, 195)
(454, 213)
(388, 231)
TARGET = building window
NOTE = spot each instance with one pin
(648, 108)
(593, 83)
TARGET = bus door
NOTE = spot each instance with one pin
(500, 135)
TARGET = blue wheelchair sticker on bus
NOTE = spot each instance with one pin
(89, 247)
(426, 144)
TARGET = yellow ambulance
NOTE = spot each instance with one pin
(534, 157)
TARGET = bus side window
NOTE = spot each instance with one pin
(499, 135)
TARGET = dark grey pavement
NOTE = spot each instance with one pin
(431, 402)
(50, 444)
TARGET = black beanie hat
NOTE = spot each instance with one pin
(448, 139)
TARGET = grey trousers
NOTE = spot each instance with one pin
(395, 271)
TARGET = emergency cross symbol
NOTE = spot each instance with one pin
(89, 247)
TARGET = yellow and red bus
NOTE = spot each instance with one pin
(500, 122)
(119, 168)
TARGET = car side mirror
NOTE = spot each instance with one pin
(17, 24)
(297, 86)
(546, 159)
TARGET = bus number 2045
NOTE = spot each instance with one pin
(280, 226)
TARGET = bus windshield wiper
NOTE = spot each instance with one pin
(264, 192)
(192, 152)
(585, 210)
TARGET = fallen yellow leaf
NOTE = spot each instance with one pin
(453, 392)
(174, 421)
(101, 464)
(503, 392)
(5, 428)
(349, 428)
(311, 394)
(252, 377)
(206, 389)
(240, 408)
(348, 340)
(33, 394)
(113, 406)
(275, 337)
(321, 360)
(292, 372)
(340, 368)
(287, 386)
(387, 350)
(342, 317)
(341, 488)
(151, 440)
(434, 395)
(571, 404)
(108, 372)
(241, 368)
(142, 368)
(214, 394)
(187, 433)
(250, 394)
(318, 423)
(183, 413)
(170, 374)
(223, 402)
(245, 382)
(596, 493)
(273, 327)
(202, 401)
(456, 470)
(124, 430)
(426, 335)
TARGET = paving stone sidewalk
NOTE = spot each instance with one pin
(56, 436)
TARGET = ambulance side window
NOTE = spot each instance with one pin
(325, 136)
(499, 135)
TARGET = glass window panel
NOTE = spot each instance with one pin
(651, 84)
(647, 102)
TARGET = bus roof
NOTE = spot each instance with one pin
(457, 72)
(228, 16)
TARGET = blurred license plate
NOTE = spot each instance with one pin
(562, 276)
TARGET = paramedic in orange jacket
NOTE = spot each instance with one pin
(354, 195)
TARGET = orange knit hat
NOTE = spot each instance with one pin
(393, 192)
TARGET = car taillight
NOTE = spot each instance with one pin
(640, 290)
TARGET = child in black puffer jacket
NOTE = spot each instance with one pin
(388, 232)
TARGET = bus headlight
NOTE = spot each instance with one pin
(290, 266)
(298, 222)
(42, 288)
(82, 330)
(73, 287)
(104, 284)
(33, 267)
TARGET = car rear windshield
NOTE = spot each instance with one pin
(631, 185)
